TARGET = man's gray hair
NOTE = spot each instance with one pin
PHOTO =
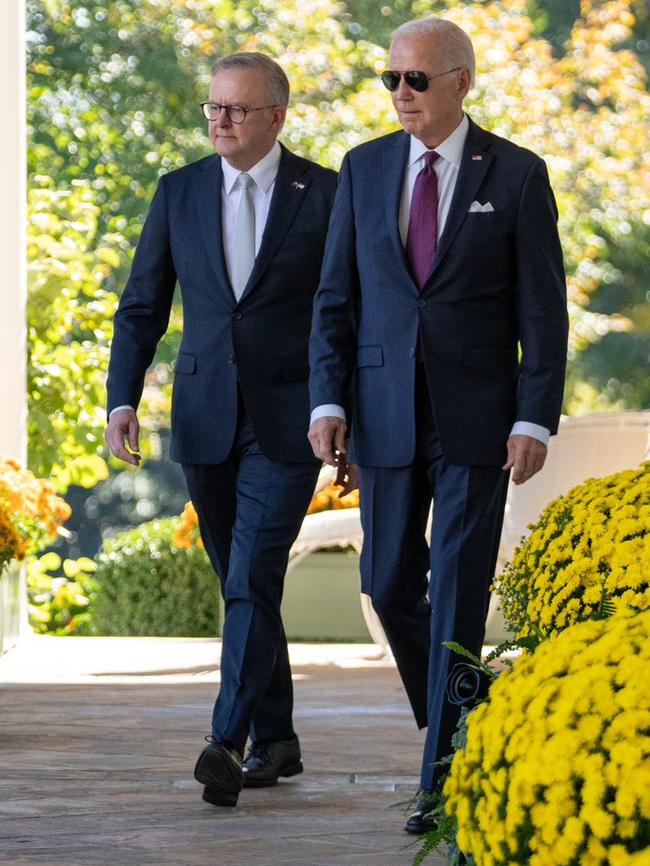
(277, 83)
(455, 43)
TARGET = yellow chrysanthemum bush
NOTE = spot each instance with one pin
(555, 770)
(588, 554)
(30, 512)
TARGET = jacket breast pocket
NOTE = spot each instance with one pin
(492, 225)
(370, 356)
(185, 364)
(307, 241)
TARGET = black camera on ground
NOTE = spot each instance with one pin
(467, 684)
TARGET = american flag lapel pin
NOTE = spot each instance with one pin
(297, 185)
(477, 157)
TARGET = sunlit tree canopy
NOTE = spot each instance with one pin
(114, 89)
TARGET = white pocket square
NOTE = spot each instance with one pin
(477, 207)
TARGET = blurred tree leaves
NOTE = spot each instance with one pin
(69, 310)
(114, 88)
(113, 101)
(60, 605)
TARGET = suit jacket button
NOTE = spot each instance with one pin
(412, 352)
(231, 359)
(422, 303)
(237, 315)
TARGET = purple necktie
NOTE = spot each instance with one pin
(422, 237)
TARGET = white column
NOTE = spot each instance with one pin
(13, 282)
(13, 401)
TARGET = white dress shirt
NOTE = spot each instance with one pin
(264, 174)
(446, 169)
(450, 153)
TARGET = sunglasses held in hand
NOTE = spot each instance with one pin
(415, 80)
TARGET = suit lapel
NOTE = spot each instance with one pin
(473, 168)
(395, 159)
(207, 187)
(291, 185)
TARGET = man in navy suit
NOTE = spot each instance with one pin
(243, 233)
(439, 331)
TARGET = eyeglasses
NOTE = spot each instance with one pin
(234, 113)
(416, 80)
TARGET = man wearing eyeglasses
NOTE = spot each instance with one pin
(243, 233)
(439, 331)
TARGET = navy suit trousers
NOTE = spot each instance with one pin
(250, 510)
(468, 511)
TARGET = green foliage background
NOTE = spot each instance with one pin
(144, 585)
(114, 88)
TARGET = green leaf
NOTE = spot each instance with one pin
(50, 561)
(86, 564)
(70, 568)
(461, 651)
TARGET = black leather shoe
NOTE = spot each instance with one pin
(268, 759)
(419, 821)
(219, 768)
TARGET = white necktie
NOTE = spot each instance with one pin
(244, 247)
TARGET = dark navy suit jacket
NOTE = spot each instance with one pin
(491, 317)
(260, 341)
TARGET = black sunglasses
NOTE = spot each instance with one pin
(415, 80)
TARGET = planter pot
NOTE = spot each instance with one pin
(321, 596)
(321, 599)
(10, 605)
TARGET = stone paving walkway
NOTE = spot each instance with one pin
(98, 739)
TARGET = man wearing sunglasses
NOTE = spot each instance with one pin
(439, 339)
(243, 233)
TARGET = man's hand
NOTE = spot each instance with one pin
(123, 427)
(347, 476)
(526, 456)
(327, 436)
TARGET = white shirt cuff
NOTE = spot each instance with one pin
(330, 410)
(120, 407)
(527, 428)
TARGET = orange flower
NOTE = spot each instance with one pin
(328, 499)
(30, 511)
(187, 531)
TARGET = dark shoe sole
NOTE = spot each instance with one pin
(419, 829)
(286, 772)
(218, 798)
(216, 770)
